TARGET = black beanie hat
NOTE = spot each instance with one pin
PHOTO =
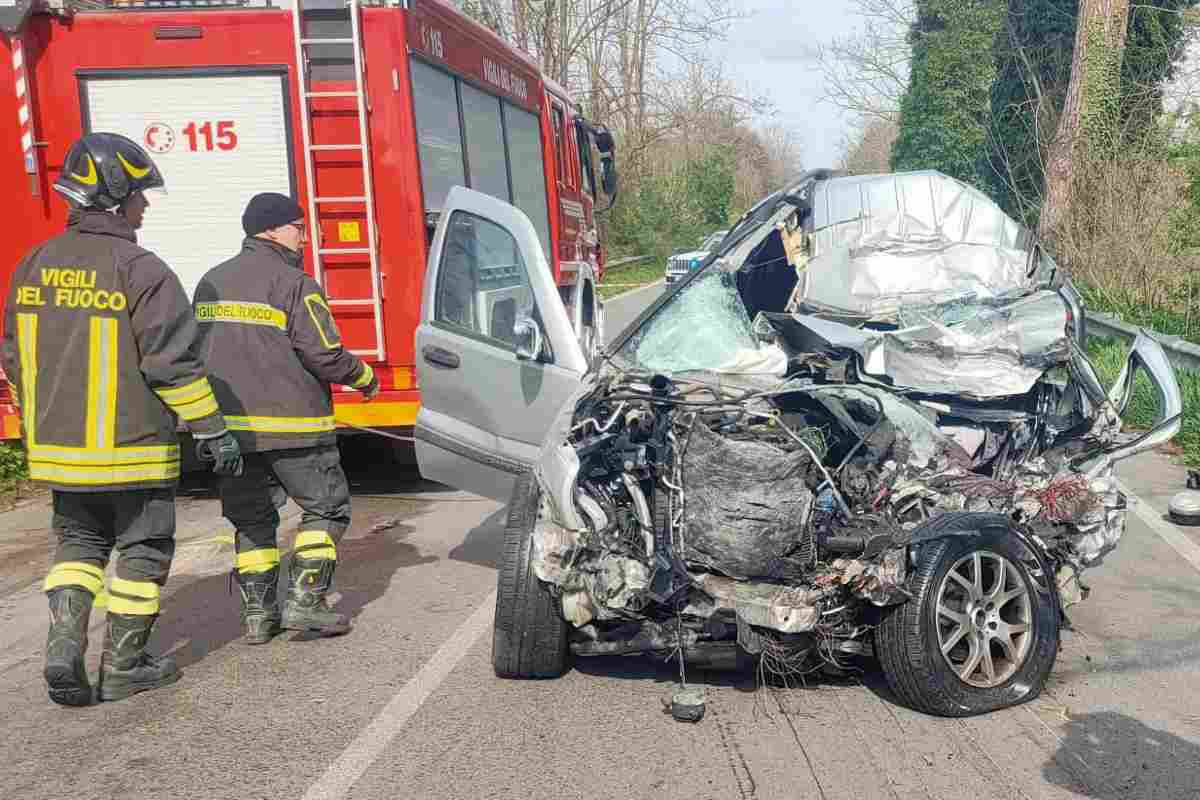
(269, 210)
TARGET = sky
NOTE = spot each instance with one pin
(769, 54)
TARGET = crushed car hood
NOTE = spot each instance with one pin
(996, 349)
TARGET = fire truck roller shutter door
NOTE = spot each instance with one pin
(221, 138)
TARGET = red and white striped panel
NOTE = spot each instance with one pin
(23, 114)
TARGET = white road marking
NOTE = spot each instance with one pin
(360, 754)
(1169, 533)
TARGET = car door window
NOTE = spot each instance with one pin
(482, 284)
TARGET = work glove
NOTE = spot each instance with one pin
(224, 453)
(371, 390)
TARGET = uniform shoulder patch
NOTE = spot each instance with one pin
(322, 317)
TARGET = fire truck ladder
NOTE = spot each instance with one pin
(362, 148)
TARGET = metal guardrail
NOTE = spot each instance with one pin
(1181, 353)
(620, 262)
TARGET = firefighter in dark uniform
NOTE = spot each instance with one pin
(99, 343)
(272, 348)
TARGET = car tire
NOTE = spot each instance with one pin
(910, 638)
(529, 636)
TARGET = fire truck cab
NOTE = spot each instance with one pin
(369, 115)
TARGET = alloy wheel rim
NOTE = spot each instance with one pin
(984, 619)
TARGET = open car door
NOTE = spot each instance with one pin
(496, 355)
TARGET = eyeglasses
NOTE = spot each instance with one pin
(300, 226)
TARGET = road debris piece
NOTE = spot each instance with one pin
(687, 705)
(1184, 507)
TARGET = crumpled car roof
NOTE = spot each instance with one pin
(884, 241)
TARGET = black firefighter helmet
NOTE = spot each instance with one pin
(102, 169)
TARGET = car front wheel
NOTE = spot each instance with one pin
(981, 632)
(529, 636)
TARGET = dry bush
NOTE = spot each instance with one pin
(868, 150)
(1119, 236)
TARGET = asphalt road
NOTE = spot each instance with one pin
(406, 705)
(624, 308)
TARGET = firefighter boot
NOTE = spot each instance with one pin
(260, 606)
(65, 673)
(306, 608)
(125, 667)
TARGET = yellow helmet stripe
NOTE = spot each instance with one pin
(91, 178)
(133, 171)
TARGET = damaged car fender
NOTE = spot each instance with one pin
(974, 524)
(957, 524)
(1146, 355)
(557, 468)
(556, 475)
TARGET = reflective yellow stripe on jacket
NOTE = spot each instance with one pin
(280, 424)
(27, 336)
(85, 466)
(98, 463)
(191, 402)
(101, 423)
(246, 313)
(103, 475)
(365, 378)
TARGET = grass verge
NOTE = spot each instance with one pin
(1109, 357)
(630, 276)
(14, 474)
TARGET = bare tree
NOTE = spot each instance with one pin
(869, 150)
(767, 156)
(866, 73)
(487, 12)
(520, 28)
(648, 30)
(645, 69)
(784, 151)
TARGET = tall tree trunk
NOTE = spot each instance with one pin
(563, 32)
(521, 28)
(1091, 95)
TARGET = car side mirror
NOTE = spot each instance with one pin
(528, 335)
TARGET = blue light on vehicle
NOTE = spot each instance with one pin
(694, 263)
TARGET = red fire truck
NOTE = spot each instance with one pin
(368, 115)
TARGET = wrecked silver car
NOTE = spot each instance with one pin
(866, 426)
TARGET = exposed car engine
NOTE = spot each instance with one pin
(716, 514)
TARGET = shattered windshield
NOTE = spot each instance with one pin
(703, 327)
